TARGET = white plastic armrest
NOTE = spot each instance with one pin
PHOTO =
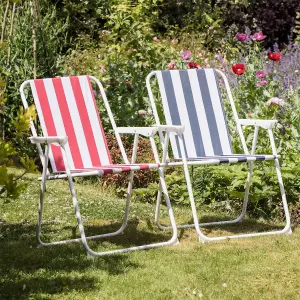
(267, 124)
(61, 140)
(146, 131)
(179, 129)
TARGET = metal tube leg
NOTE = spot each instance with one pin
(90, 252)
(119, 231)
(287, 228)
(84, 238)
(190, 190)
(126, 212)
(168, 202)
(157, 208)
(236, 220)
(42, 195)
(246, 196)
(157, 211)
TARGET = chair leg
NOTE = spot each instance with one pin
(286, 229)
(84, 238)
(90, 252)
(236, 220)
(119, 231)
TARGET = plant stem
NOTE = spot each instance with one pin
(4, 21)
(32, 10)
(11, 32)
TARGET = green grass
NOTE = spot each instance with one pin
(257, 268)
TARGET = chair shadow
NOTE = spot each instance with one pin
(245, 226)
(26, 270)
(132, 235)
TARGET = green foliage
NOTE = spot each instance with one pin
(125, 55)
(192, 21)
(120, 42)
(297, 29)
(232, 269)
(51, 38)
(275, 18)
(10, 187)
(84, 18)
(223, 186)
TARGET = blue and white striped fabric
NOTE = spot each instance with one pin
(192, 98)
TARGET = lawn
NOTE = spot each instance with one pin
(257, 268)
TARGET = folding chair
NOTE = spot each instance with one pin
(192, 98)
(76, 146)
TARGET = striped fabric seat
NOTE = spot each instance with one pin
(192, 98)
(66, 106)
(235, 158)
(119, 168)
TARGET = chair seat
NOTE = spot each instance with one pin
(119, 168)
(232, 158)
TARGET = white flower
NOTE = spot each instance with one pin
(276, 101)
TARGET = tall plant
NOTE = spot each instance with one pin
(17, 60)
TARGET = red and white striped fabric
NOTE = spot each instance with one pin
(66, 106)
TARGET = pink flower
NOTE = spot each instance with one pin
(186, 55)
(155, 39)
(258, 36)
(171, 65)
(174, 42)
(242, 37)
(261, 74)
(142, 112)
(102, 69)
(276, 101)
(261, 83)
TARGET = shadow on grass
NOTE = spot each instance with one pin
(27, 270)
(246, 226)
(243, 227)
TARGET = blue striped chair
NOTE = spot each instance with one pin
(192, 102)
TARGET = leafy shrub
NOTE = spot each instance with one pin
(277, 98)
(84, 18)
(276, 18)
(18, 66)
(127, 52)
(144, 154)
(297, 29)
(9, 156)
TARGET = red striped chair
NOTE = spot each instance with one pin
(76, 146)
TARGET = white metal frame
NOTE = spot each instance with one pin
(266, 124)
(61, 141)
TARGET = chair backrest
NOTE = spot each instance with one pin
(66, 106)
(192, 98)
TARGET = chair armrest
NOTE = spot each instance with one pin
(179, 129)
(61, 140)
(150, 131)
(146, 131)
(266, 124)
